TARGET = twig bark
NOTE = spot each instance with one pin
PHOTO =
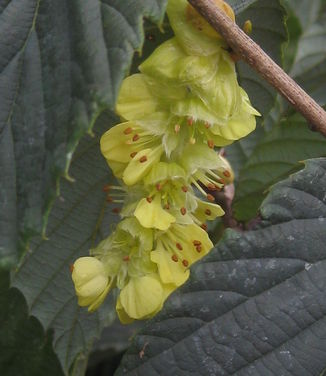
(250, 52)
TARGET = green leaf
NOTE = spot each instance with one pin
(79, 219)
(275, 157)
(269, 31)
(61, 65)
(256, 304)
(25, 349)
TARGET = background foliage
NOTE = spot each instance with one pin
(255, 305)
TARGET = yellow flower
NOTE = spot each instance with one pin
(91, 282)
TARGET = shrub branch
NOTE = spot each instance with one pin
(250, 52)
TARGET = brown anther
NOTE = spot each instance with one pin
(174, 258)
(185, 263)
(177, 128)
(109, 199)
(136, 137)
(167, 206)
(179, 246)
(227, 173)
(184, 188)
(207, 125)
(149, 199)
(132, 155)
(116, 210)
(71, 268)
(210, 197)
(127, 130)
(126, 258)
(158, 186)
(143, 159)
(196, 242)
(204, 226)
(198, 248)
(221, 181)
(106, 188)
(211, 187)
(190, 121)
(208, 212)
(210, 144)
(183, 211)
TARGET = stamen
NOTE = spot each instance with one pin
(184, 188)
(149, 199)
(126, 258)
(208, 212)
(210, 197)
(143, 159)
(133, 154)
(190, 121)
(203, 226)
(158, 186)
(167, 206)
(183, 210)
(174, 258)
(177, 128)
(127, 130)
(227, 173)
(116, 210)
(196, 242)
(212, 187)
(198, 248)
(207, 125)
(210, 144)
(221, 181)
(179, 246)
(185, 263)
(109, 199)
(106, 188)
(136, 137)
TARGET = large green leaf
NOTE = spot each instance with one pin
(256, 304)
(24, 348)
(79, 218)
(61, 65)
(276, 156)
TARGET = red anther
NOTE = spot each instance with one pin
(207, 125)
(136, 137)
(174, 258)
(71, 268)
(109, 199)
(211, 187)
(196, 242)
(179, 246)
(227, 173)
(126, 258)
(127, 130)
(185, 263)
(177, 128)
(210, 144)
(184, 188)
(149, 199)
(198, 248)
(158, 186)
(116, 210)
(183, 211)
(210, 197)
(208, 212)
(190, 121)
(132, 155)
(106, 188)
(143, 159)
(221, 181)
(167, 206)
(204, 226)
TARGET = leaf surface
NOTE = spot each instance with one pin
(256, 304)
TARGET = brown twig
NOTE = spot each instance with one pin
(250, 52)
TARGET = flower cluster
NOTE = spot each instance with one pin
(184, 102)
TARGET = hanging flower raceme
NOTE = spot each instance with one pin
(184, 102)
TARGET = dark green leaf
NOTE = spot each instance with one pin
(275, 157)
(255, 305)
(25, 349)
(61, 65)
(79, 218)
